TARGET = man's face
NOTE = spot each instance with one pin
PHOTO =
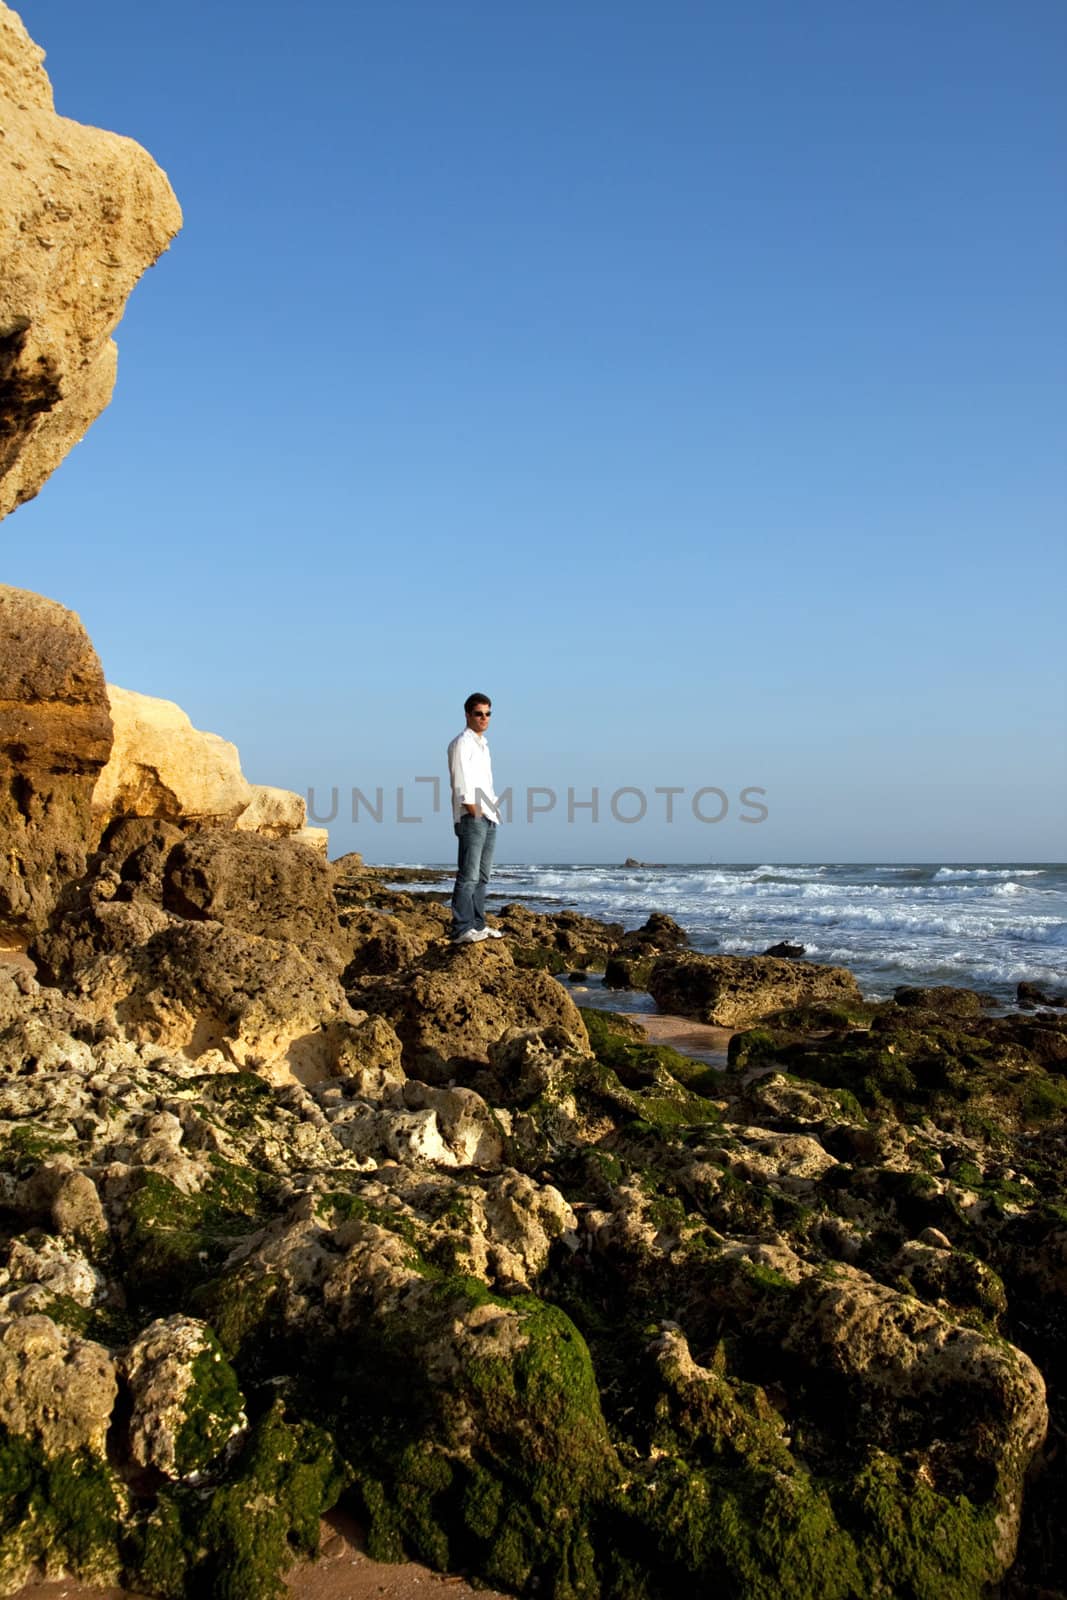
(478, 719)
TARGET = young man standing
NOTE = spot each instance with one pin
(475, 817)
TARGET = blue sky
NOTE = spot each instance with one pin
(690, 378)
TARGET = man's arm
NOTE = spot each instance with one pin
(464, 786)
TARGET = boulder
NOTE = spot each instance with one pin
(383, 942)
(41, 1270)
(87, 924)
(273, 887)
(452, 1007)
(1030, 995)
(55, 1388)
(630, 964)
(577, 940)
(187, 1406)
(277, 813)
(734, 991)
(205, 991)
(317, 839)
(138, 849)
(55, 735)
(85, 212)
(659, 932)
(161, 766)
(943, 1000)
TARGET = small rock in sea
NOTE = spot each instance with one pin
(1030, 995)
(784, 948)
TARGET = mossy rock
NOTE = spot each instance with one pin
(24, 1146)
(214, 1407)
(621, 1044)
(171, 1241)
(959, 1079)
(66, 1512)
(629, 972)
(502, 1467)
(539, 957)
(243, 1307)
(235, 1542)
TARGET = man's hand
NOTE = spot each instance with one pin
(472, 811)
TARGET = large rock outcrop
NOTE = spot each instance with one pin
(735, 991)
(274, 887)
(596, 1316)
(84, 214)
(161, 766)
(55, 735)
(455, 1004)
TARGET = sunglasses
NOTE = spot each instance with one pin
(481, 713)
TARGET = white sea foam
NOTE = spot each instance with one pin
(988, 872)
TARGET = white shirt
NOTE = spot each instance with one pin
(471, 774)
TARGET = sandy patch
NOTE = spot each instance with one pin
(342, 1572)
(701, 1040)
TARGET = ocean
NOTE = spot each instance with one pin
(981, 926)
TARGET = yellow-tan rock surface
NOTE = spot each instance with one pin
(83, 213)
(276, 813)
(161, 766)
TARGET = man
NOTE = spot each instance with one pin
(475, 817)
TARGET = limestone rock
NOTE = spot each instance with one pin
(88, 923)
(276, 813)
(161, 766)
(793, 1162)
(197, 988)
(68, 1198)
(43, 1269)
(384, 942)
(85, 212)
(273, 887)
(138, 849)
(982, 1401)
(734, 991)
(450, 1009)
(187, 1406)
(54, 1387)
(470, 1133)
(578, 940)
(317, 839)
(55, 735)
(368, 1055)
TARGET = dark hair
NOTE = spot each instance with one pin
(473, 700)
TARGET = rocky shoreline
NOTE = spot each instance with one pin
(304, 1211)
(535, 1298)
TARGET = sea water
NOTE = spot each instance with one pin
(985, 926)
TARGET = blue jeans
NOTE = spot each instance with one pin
(477, 841)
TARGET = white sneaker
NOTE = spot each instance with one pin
(472, 936)
(493, 933)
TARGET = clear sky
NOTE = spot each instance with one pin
(689, 377)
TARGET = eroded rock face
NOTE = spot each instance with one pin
(161, 766)
(85, 213)
(273, 887)
(55, 735)
(452, 1007)
(187, 1406)
(207, 991)
(55, 1388)
(735, 991)
(275, 813)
